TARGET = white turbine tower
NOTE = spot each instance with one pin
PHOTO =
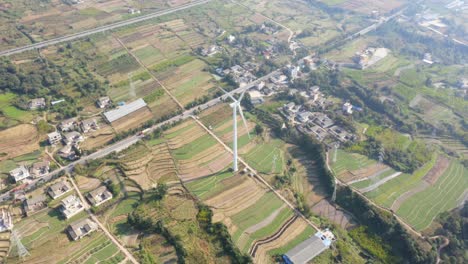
(236, 105)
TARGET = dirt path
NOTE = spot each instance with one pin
(338, 182)
(103, 228)
(382, 181)
(257, 176)
(150, 73)
(265, 221)
(373, 176)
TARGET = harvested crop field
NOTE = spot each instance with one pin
(196, 153)
(338, 216)
(132, 120)
(306, 178)
(292, 229)
(149, 165)
(439, 168)
(18, 140)
(367, 6)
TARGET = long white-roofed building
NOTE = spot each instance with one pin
(310, 248)
(122, 111)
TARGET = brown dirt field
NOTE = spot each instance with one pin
(96, 141)
(235, 199)
(31, 227)
(186, 137)
(133, 120)
(180, 126)
(289, 234)
(130, 240)
(216, 165)
(87, 183)
(142, 179)
(439, 168)
(367, 6)
(348, 176)
(369, 171)
(337, 216)
(228, 137)
(205, 155)
(18, 140)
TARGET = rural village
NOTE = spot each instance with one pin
(231, 132)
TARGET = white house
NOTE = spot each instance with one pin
(19, 173)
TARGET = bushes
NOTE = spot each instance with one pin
(221, 234)
(384, 224)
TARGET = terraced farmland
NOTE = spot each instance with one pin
(421, 208)
(196, 153)
(43, 234)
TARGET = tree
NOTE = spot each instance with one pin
(258, 129)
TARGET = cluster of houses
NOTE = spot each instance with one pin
(36, 170)
(317, 124)
(239, 74)
(70, 135)
(69, 206)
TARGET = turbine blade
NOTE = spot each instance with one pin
(242, 95)
(243, 120)
(230, 96)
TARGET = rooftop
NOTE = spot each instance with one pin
(124, 110)
(309, 249)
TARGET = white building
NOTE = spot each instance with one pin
(19, 173)
(347, 108)
(54, 137)
(6, 222)
(71, 206)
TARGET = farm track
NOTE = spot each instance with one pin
(254, 248)
(151, 74)
(90, 32)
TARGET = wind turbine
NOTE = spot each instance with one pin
(236, 104)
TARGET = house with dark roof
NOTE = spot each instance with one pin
(99, 196)
(81, 228)
(39, 169)
(59, 189)
(34, 204)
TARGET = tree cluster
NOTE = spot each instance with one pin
(384, 224)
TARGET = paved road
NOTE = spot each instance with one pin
(89, 32)
(129, 141)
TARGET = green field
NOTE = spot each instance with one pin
(421, 208)
(187, 151)
(308, 232)
(388, 192)
(267, 157)
(366, 183)
(348, 161)
(264, 207)
(245, 241)
(209, 186)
